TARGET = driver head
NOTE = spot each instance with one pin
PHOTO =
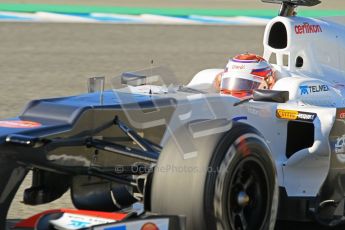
(245, 73)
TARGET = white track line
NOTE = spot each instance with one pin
(53, 17)
(117, 18)
(159, 19)
(130, 19)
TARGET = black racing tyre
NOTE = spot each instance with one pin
(242, 190)
(209, 187)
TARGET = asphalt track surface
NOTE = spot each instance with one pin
(49, 60)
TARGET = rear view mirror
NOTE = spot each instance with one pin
(271, 96)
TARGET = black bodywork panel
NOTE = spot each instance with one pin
(300, 135)
(56, 145)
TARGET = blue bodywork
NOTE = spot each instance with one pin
(60, 113)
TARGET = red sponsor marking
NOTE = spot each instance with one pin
(341, 114)
(238, 67)
(243, 147)
(306, 28)
(32, 221)
(20, 124)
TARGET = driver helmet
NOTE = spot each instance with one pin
(245, 73)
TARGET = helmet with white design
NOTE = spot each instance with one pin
(245, 73)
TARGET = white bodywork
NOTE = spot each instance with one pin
(315, 85)
(318, 87)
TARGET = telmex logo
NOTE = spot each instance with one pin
(305, 89)
(306, 28)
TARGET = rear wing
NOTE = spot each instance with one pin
(295, 2)
(288, 6)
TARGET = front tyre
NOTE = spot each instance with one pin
(245, 187)
(229, 184)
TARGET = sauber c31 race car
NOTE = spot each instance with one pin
(192, 158)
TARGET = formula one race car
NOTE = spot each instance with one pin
(190, 157)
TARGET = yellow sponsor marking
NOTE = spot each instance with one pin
(287, 114)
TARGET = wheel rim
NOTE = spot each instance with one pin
(248, 195)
